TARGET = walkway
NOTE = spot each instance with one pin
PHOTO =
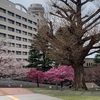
(22, 94)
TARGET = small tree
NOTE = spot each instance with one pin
(60, 74)
(36, 76)
(10, 67)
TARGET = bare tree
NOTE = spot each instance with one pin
(78, 38)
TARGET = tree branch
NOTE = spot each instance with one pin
(65, 1)
(93, 52)
(86, 2)
(90, 24)
(90, 37)
(64, 10)
(93, 26)
(95, 47)
(73, 1)
(59, 15)
(93, 15)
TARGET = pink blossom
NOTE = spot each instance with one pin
(60, 74)
(36, 75)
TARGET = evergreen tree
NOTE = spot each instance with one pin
(46, 62)
(97, 58)
(39, 59)
(34, 58)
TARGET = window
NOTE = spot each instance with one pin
(30, 41)
(18, 38)
(10, 13)
(24, 39)
(11, 29)
(18, 52)
(24, 59)
(2, 18)
(29, 21)
(30, 28)
(18, 59)
(10, 21)
(24, 46)
(18, 45)
(29, 47)
(18, 31)
(12, 44)
(24, 19)
(29, 53)
(34, 23)
(29, 34)
(13, 52)
(18, 16)
(11, 37)
(34, 29)
(24, 53)
(18, 24)
(2, 35)
(2, 26)
(2, 10)
(24, 33)
(24, 26)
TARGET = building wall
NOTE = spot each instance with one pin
(38, 11)
(17, 28)
(89, 62)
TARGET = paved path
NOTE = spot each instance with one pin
(22, 94)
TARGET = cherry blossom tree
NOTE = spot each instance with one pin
(36, 76)
(60, 74)
(10, 67)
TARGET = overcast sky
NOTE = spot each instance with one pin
(27, 3)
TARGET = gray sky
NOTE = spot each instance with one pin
(27, 3)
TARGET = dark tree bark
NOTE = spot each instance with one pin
(79, 81)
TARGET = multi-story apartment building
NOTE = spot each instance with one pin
(17, 26)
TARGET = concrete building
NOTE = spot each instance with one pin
(38, 11)
(17, 26)
(89, 62)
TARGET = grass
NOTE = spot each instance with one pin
(76, 97)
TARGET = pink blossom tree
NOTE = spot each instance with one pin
(10, 67)
(36, 76)
(60, 74)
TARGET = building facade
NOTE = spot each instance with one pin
(89, 62)
(17, 27)
(38, 11)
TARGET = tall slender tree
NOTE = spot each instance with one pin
(34, 58)
(75, 40)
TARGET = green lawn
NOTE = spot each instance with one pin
(65, 96)
(76, 97)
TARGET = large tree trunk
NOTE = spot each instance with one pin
(79, 81)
